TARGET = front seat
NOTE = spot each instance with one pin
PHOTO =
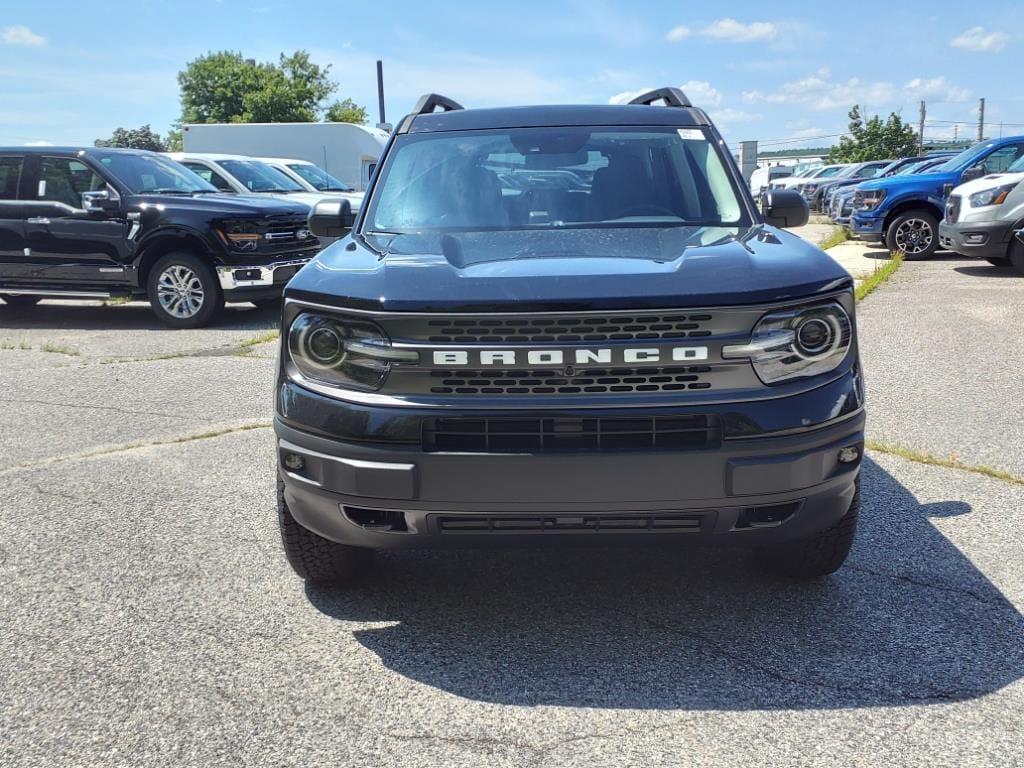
(621, 186)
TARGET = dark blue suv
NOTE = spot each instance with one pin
(904, 211)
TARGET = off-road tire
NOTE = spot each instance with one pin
(892, 235)
(818, 555)
(314, 558)
(213, 298)
(1016, 256)
(19, 299)
(1003, 262)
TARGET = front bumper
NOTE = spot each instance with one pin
(867, 228)
(979, 239)
(239, 277)
(746, 491)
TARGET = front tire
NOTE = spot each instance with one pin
(183, 291)
(314, 558)
(19, 299)
(819, 555)
(915, 234)
(1016, 256)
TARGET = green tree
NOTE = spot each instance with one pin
(346, 111)
(874, 139)
(224, 87)
(134, 138)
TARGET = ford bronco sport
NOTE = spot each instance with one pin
(567, 324)
(99, 223)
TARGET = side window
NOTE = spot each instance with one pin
(207, 174)
(10, 175)
(1002, 158)
(64, 179)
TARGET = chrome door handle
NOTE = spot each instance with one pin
(38, 220)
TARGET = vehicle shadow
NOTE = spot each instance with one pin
(988, 270)
(908, 620)
(94, 315)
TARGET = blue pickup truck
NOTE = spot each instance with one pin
(904, 211)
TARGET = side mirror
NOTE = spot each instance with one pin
(971, 174)
(101, 201)
(784, 208)
(331, 218)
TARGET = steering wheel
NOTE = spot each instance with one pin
(648, 208)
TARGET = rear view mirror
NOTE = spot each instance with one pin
(331, 218)
(784, 208)
(971, 174)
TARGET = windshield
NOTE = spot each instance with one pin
(832, 170)
(533, 178)
(319, 178)
(260, 177)
(957, 160)
(144, 174)
(1017, 166)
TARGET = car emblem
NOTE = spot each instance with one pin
(301, 234)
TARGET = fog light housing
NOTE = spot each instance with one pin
(975, 238)
(294, 462)
(849, 454)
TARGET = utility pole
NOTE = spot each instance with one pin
(981, 119)
(380, 92)
(920, 131)
(956, 132)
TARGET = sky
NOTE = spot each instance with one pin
(783, 73)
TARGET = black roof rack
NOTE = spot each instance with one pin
(673, 97)
(429, 102)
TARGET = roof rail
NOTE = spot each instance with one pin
(673, 97)
(429, 102)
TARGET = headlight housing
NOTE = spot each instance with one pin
(869, 200)
(797, 343)
(342, 352)
(240, 235)
(993, 196)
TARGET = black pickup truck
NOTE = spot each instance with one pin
(566, 325)
(99, 223)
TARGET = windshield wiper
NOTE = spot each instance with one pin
(166, 191)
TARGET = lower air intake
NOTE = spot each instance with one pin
(656, 523)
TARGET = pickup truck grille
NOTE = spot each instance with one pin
(585, 381)
(570, 434)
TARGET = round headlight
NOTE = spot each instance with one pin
(325, 346)
(814, 336)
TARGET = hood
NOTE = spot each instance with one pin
(987, 182)
(568, 269)
(915, 182)
(222, 204)
(308, 199)
(355, 199)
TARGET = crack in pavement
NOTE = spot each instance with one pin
(113, 408)
(908, 579)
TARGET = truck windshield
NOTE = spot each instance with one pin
(260, 177)
(145, 173)
(1017, 166)
(534, 178)
(319, 178)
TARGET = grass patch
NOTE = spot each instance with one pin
(58, 349)
(922, 457)
(114, 301)
(839, 235)
(245, 348)
(879, 276)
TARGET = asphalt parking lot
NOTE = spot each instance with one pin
(149, 617)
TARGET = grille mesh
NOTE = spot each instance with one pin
(583, 381)
(580, 328)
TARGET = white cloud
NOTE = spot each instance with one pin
(936, 88)
(977, 39)
(678, 33)
(700, 92)
(21, 35)
(737, 32)
(39, 143)
(819, 92)
(729, 116)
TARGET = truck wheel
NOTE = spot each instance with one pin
(19, 299)
(915, 234)
(183, 291)
(998, 261)
(1016, 257)
(818, 555)
(314, 558)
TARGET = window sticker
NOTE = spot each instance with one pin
(42, 188)
(690, 133)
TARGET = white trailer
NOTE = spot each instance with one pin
(345, 150)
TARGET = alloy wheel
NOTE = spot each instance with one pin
(914, 236)
(180, 291)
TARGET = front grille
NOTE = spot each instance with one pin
(570, 434)
(659, 522)
(581, 381)
(953, 209)
(581, 328)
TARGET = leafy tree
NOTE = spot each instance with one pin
(874, 139)
(134, 138)
(346, 111)
(224, 87)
